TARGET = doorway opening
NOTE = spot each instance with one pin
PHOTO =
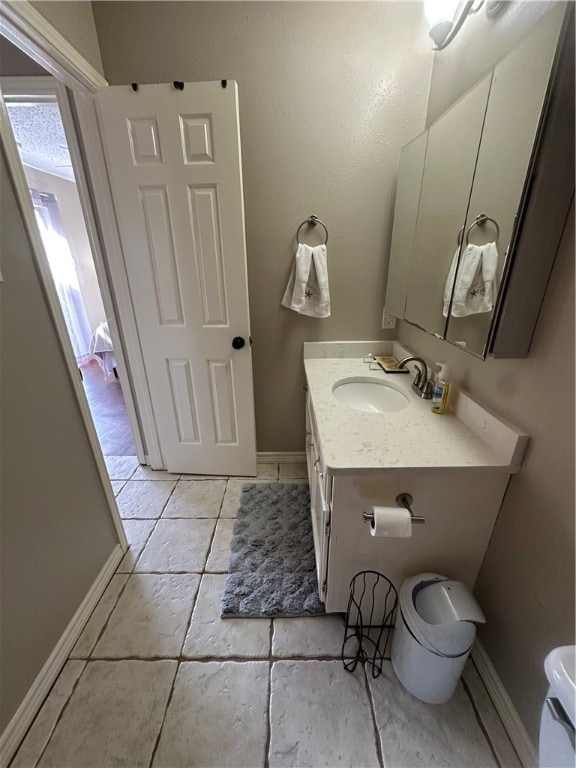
(38, 126)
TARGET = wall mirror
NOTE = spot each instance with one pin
(461, 190)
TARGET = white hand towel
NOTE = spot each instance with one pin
(449, 285)
(307, 291)
(475, 281)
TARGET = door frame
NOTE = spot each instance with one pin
(47, 88)
(20, 186)
(27, 29)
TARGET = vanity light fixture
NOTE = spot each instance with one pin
(443, 26)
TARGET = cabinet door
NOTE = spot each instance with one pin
(321, 524)
(319, 508)
(451, 154)
(514, 112)
(405, 215)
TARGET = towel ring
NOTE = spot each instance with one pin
(481, 219)
(311, 221)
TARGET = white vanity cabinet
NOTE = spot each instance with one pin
(456, 467)
(320, 493)
(459, 511)
(459, 507)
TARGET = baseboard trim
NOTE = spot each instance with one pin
(26, 712)
(503, 703)
(289, 457)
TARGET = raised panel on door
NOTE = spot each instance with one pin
(448, 174)
(174, 163)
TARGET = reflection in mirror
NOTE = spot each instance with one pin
(478, 159)
(515, 104)
(405, 215)
(448, 174)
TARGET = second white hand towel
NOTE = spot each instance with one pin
(308, 291)
(473, 278)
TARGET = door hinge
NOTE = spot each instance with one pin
(327, 528)
(324, 587)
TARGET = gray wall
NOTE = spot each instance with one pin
(329, 93)
(56, 531)
(74, 20)
(526, 585)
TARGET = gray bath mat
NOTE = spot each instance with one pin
(272, 569)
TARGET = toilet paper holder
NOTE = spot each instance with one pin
(402, 500)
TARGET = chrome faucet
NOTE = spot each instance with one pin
(422, 385)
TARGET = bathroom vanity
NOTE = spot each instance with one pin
(455, 466)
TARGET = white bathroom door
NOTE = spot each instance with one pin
(174, 164)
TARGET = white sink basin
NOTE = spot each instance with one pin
(371, 395)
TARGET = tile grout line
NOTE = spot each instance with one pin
(133, 571)
(211, 659)
(269, 707)
(376, 732)
(203, 571)
(157, 742)
(181, 659)
(217, 518)
(481, 723)
(60, 714)
(84, 660)
(268, 718)
(145, 542)
(105, 625)
(37, 715)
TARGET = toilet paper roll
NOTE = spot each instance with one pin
(391, 521)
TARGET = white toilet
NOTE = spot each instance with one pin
(559, 710)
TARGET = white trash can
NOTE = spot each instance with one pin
(434, 634)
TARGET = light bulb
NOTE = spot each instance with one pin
(438, 11)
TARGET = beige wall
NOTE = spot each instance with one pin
(479, 45)
(74, 20)
(73, 222)
(329, 93)
(56, 529)
(526, 585)
(15, 63)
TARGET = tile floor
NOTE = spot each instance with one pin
(158, 679)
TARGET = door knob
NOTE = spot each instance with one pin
(238, 342)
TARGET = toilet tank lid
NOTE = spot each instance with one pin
(560, 666)
(446, 602)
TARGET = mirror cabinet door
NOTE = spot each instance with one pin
(515, 105)
(405, 214)
(451, 154)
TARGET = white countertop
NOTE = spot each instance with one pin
(352, 441)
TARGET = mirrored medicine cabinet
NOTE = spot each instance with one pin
(463, 189)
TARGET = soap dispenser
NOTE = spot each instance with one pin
(440, 396)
